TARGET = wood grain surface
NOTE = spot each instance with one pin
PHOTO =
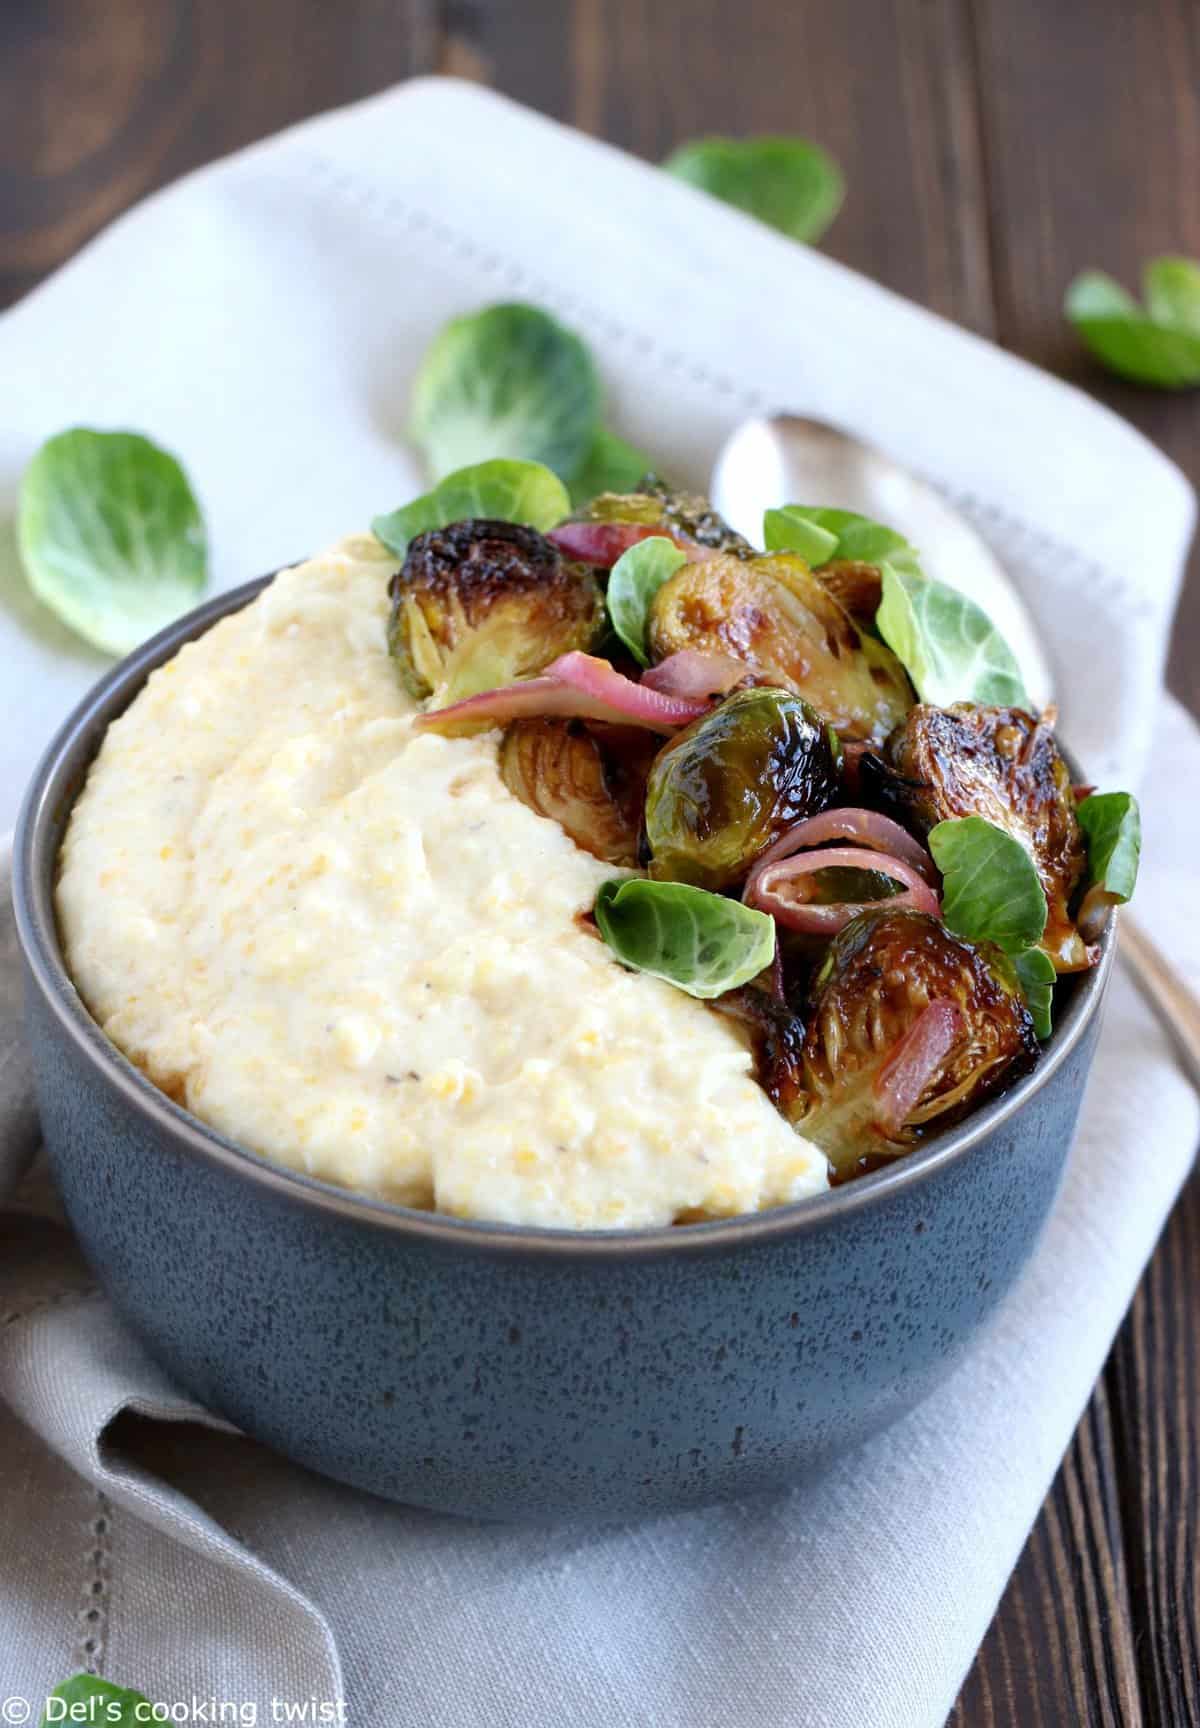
(992, 149)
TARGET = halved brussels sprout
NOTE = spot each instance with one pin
(1001, 764)
(730, 784)
(776, 1033)
(657, 505)
(857, 588)
(481, 603)
(591, 780)
(777, 617)
(884, 980)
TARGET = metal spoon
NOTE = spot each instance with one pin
(789, 459)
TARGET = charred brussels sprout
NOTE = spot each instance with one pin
(656, 505)
(873, 1071)
(857, 588)
(732, 782)
(1003, 765)
(590, 780)
(773, 614)
(480, 603)
(776, 1033)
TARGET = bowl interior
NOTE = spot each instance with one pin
(56, 784)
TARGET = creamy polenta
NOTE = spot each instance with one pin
(346, 944)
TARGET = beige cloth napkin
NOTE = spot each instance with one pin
(264, 318)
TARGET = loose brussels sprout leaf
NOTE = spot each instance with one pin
(700, 942)
(111, 536)
(850, 556)
(1112, 823)
(1001, 764)
(947, 644)
(731, 783)
(1159, 345)
(991, 890)
(87, 1698)
(1035, 970)
(775, 615)
(1112, 826)
(480, 603)
(788, 183)
(591, 783)
(507, 381)
(792, 529)
(611, 465)
(1171, 287)
(636, 578)
(500, 491)
(856, 538)
(880, 976)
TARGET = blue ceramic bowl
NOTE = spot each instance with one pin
(506, 1372)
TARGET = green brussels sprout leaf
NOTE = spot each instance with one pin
(1156, 344)
(636, 578)
(523, 492)
(700, 942)
(991, 891)
(111, 536)
(855, 538)
(611, 465)
(792, 529)
(1171, 290)
(508, 381)
(1113, 825)
(788, 183)
(948, 645)
(1036, 974)
(87, 1698)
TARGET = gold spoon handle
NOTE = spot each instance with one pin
(1175, 1004)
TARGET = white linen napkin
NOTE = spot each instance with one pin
(263, 318)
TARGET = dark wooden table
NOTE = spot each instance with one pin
(992, 148)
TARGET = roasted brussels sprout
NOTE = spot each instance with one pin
(857, 588)
(730, 784)
(656, 505)
(591, 780)
(1001, 764)
(773, 614)
(480, 603)
(776, 1032)
(907, 1025)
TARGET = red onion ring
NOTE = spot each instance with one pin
(576, 685)
(694, 675)
(914, 1061)
(763, 889)
(865, 827)
(602, 543)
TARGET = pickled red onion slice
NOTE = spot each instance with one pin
(910, 1067)
(602, 543)
(694, 675)
(577, 685)
(779, 888)
(867, 827)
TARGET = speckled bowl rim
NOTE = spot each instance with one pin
(56, 784)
